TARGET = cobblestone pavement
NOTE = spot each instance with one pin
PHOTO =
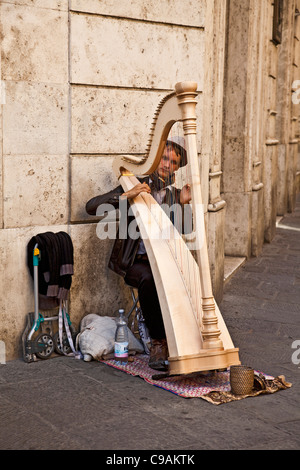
(63, 403)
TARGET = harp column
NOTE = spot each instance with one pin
(186, 95)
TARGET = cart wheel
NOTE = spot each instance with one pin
(66, 348)
(48, 341)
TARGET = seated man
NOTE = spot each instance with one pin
(129, 258)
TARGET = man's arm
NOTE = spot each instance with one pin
(112, 197)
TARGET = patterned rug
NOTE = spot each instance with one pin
(211, 386)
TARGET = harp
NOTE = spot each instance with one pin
(197, 337)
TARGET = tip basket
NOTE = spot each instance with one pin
(241, 379)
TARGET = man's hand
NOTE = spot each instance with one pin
(136, 190)
(185, 194)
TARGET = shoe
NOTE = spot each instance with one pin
(158, 354)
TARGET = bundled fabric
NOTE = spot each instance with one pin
(56, 264)
(96, 339)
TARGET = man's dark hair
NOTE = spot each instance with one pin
(179, 151)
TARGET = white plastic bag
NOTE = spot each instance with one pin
(97, 338)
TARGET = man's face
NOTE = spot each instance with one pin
(169, 163)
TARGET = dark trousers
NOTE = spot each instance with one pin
(139, 275)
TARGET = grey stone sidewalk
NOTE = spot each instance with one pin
(63, 403)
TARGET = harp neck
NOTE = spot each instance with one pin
(179, 106)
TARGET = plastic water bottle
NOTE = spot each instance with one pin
(121, 339)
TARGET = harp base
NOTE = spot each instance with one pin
(204, 361)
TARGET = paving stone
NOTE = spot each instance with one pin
(63, 403)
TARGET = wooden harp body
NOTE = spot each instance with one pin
(197, 337)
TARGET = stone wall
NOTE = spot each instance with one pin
(34, 146)
(260, 131)
(80, 83)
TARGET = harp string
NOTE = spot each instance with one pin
(185, 261)
(183, 178)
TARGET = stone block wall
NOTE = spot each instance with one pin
(80, 82)
(34, 147)
(260, 136)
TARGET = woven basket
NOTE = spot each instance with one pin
(241, 379)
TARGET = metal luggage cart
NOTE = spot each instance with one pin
(41, 337)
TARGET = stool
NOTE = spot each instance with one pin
(139, 321)
(135, 299)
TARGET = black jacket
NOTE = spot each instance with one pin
(55, 264)
(124, 250)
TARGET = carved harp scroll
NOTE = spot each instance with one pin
(198, 339)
